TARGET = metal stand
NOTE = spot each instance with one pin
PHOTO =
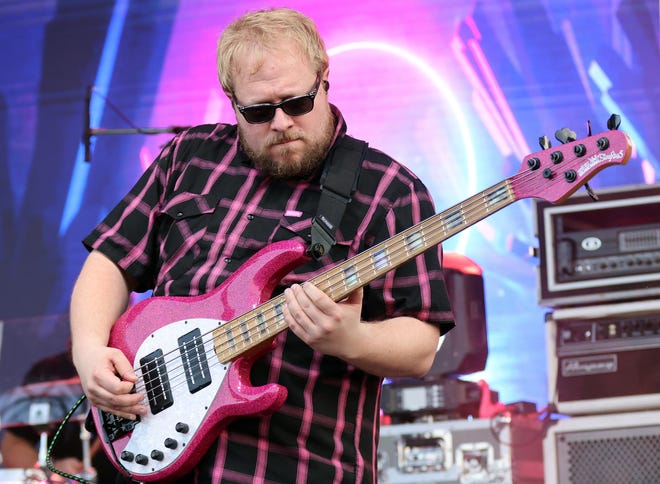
(90, 132)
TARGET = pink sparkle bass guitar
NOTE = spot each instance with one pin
(193, 355)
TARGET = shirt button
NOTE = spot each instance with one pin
(250, 216)
(227, 260)
(179, 214)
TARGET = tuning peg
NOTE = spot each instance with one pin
(565, 135)
(614, 122)
(544, 142)
(591, 193)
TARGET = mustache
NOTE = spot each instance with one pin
(283, 138)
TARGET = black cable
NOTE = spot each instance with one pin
(49, 458)
(118, 112)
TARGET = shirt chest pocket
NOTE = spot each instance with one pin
(291, 226)
(185, 225)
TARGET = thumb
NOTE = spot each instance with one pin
(122, 366)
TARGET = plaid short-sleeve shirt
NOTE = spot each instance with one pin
(199, 212)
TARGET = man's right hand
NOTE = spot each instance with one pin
(100, 296)
(108, 379)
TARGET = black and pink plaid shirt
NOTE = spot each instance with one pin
(198, 213)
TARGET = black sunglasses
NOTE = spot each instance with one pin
(294, 106)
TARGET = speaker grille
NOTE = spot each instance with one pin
(612, 456)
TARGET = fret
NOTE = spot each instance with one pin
(413, 242)
(496, 196)
(454, 219)
(245, 331)
(329, 289)
(229, 335)
(261, 323)
(380, 260)
(350, 276)
(279, 315)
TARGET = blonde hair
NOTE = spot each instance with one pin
(259, 33)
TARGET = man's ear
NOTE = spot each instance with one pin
(326, 83)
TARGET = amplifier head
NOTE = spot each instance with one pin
(603, 251)
(603, 358)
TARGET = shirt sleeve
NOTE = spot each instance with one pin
(127, 235)
(417, 287)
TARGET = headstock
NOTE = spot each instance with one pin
(554, 173)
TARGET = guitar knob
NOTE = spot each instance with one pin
(181, 428)
(141, 459)
(126, 456)
(171, 443)
(157, 455)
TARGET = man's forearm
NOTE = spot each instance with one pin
(99, 297)
(397, 347)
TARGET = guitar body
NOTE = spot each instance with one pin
(192, 395)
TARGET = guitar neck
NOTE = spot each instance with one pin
(371, 264)
(259, 325)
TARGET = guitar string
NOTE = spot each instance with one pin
(466, 211)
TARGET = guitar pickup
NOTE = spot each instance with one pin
(156, 381)
(195, 363)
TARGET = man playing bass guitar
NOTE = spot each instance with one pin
(215, 196)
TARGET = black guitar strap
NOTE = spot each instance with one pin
(338, 182)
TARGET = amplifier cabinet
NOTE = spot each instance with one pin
(604, 449)
(604, 358)
(598, 252)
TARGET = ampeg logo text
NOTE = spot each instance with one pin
(589, 365)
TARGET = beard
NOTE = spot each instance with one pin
(291, 163)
